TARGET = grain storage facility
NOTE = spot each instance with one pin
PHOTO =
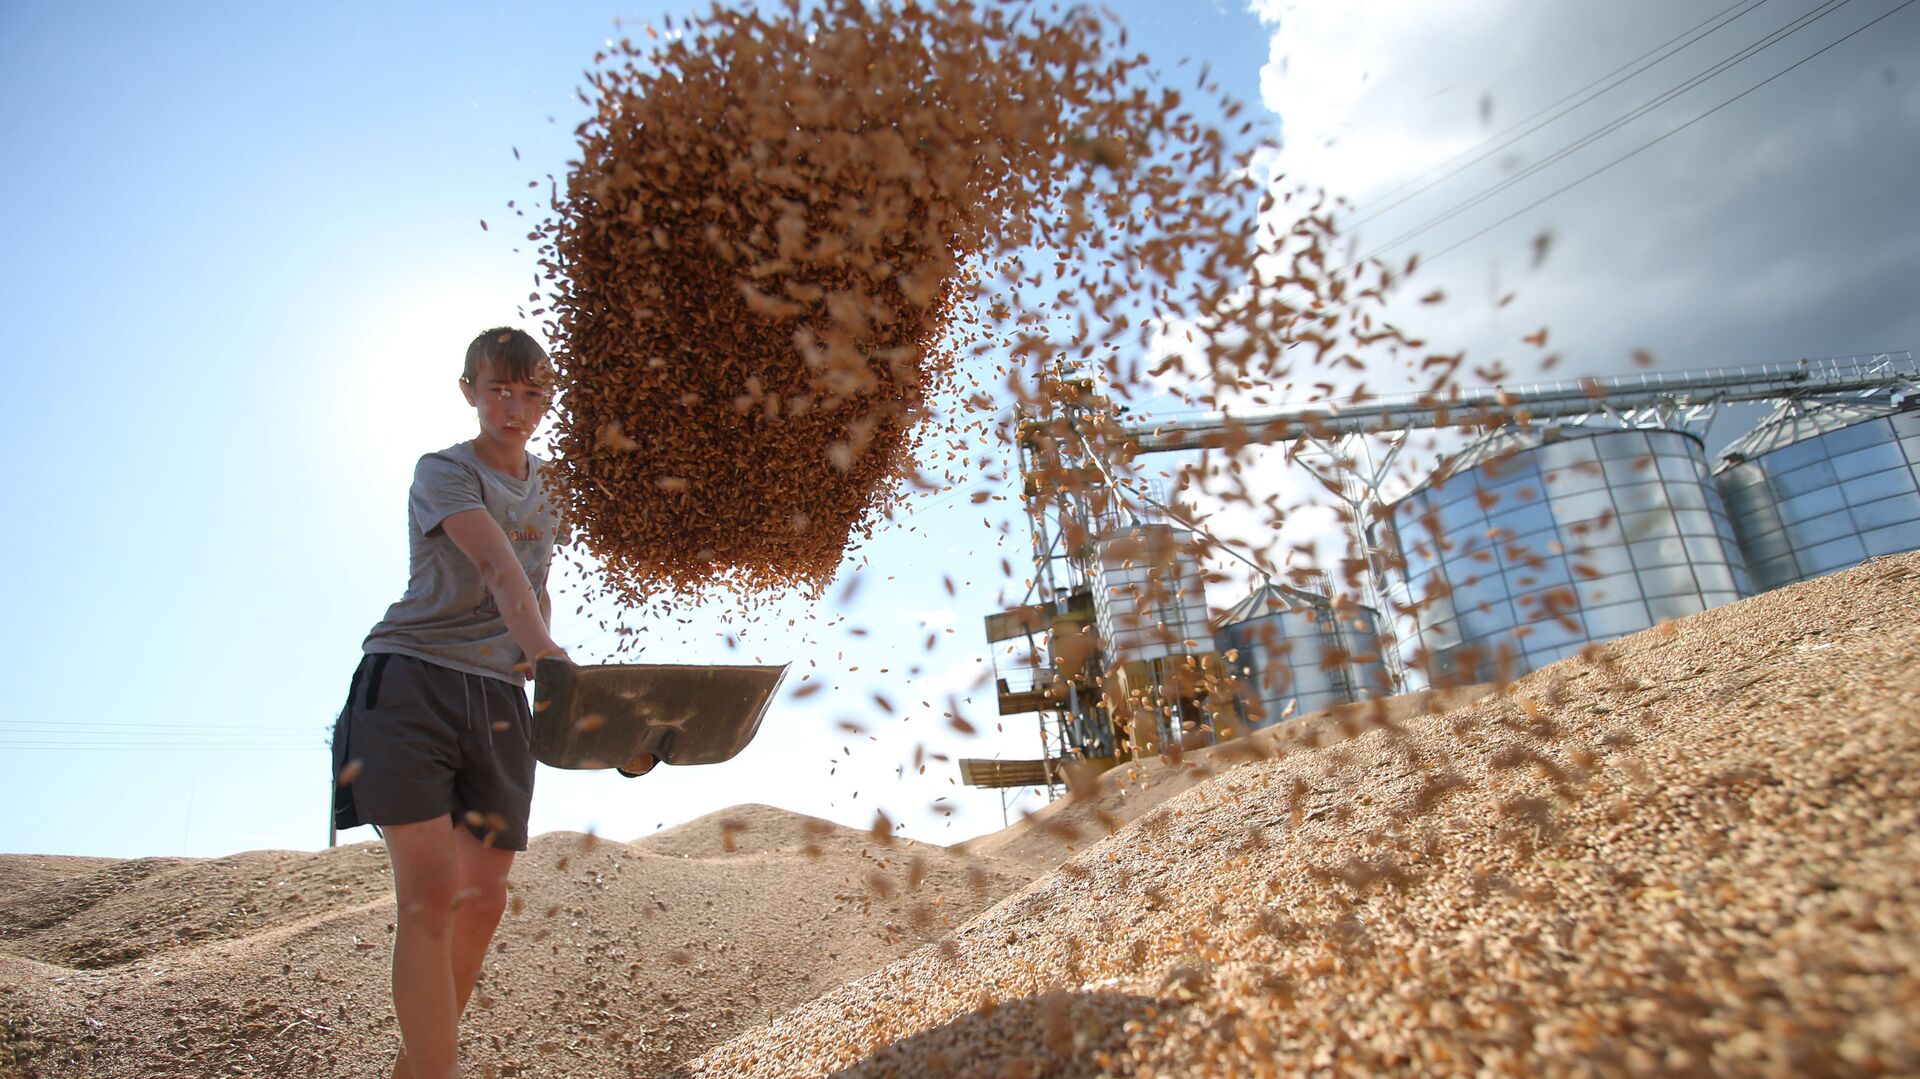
(1150, 609)
(1824, 483)
(1535, 541)
(1149, 595)
(1292, 654)
(1585, 512)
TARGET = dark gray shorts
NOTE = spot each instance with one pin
(418, 741)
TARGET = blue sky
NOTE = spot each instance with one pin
(246, 256)
(246, 260)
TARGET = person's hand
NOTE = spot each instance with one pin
(530, 666)
(639, 765)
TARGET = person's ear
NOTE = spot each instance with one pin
(467, 391)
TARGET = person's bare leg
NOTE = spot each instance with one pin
(425, 880)
(479, 899)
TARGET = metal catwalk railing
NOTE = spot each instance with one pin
(1539, 400)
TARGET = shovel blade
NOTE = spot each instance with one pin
(602, 716)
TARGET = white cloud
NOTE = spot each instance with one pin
(1333, 67)
(1738, 240)
(1760, 233)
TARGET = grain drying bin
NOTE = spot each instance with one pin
(1150, 610)
(1823, 484)
(1536, 541)
(1291, 653)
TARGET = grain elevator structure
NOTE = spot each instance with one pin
(1579, 512)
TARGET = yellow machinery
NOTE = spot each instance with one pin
(1115, 661)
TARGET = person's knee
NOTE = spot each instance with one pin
(428, 902)
(481, 903)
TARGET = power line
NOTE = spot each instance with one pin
(1770, 40)
(1661, 138)
(1776, 37)
(129, 738)
(162, 733)
(1490, 148)
(220, 747)
(91, 724)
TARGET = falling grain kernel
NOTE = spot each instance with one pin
(832, 272)
(782, 310)
(612, 436)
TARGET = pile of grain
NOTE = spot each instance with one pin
(1105, 803)
(1694, 852)
(615, 959)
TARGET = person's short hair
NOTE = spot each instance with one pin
(510, 355)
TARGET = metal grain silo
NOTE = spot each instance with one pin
(1823, 484)
(1163, 682)
(1292, 654)
(1536, 541)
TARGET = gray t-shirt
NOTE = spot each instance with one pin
(447, 615)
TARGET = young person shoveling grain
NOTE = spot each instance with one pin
(433, 744)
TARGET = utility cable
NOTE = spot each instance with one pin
(81, 725)
(131, 747)
(1767, 42)
(1776, 37)
(1588, 96)
(1487, 147)
(1661, 138)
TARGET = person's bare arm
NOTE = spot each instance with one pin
(546, 609)
(479, 537)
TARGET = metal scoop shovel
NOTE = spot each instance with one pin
(602, 716)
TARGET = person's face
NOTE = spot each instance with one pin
(509, 411)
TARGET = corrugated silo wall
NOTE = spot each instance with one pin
(1538, 553)
(1150, 599)
(1293, 663)
(1150, 609)
(1828, 501)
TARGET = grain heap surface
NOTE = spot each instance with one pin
(1053, 834)
(26, 870)
(1690, 852)
(614, 959)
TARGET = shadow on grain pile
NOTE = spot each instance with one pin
(1691, 851)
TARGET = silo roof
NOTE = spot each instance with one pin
(1269, 598)
(1798, 420)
